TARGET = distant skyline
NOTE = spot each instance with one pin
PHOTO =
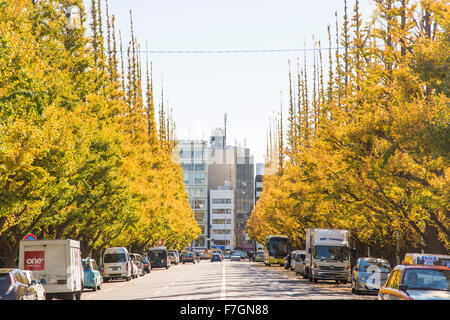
(201, 87)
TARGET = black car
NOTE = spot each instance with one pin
(216, 257)
(146, 265)
(14, 285)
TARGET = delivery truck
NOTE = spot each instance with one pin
(57, 264)
(327, 255)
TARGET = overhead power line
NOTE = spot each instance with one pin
(209, 51)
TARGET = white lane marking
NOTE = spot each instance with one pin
(223, 286)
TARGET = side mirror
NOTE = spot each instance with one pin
(33, 282)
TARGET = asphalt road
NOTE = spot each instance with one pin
(222, 281)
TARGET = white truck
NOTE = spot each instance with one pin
(327, 255)
(57, 264)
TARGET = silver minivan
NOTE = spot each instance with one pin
(300, 263)
(116, 264)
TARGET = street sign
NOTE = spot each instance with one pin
(30, 237)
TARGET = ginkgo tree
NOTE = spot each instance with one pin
(80, 156)
(373, 155)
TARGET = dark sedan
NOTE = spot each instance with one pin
(188, 257)
(14, 285)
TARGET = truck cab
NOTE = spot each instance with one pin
(327, 255)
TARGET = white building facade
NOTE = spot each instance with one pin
(221, 214)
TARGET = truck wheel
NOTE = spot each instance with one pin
(78, 296)
(128, 278)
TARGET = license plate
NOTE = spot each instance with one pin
(114, 268)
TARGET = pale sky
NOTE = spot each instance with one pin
(246, 86)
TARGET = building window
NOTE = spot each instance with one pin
(222, 242)
(221, 221)
(220, 201)
(221, 211)
(221, 231)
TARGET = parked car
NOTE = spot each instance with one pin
(369, 274)
(203, 256)
(116, 264)
(176, 254)
(172, 257)
(14, 285)
(146, 264)
(36, 284)
(414, 282)
(137, 260)
(216, 257)
(299, 263)
(134, 269)
(423, 258)
(92, 277)
(226, 256)
(188, 257)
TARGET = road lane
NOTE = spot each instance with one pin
(222, 281)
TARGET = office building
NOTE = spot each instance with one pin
(194, 161)
(221, 204)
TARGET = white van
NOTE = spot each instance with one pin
(116, 264)
(56, 264)
(300, 263)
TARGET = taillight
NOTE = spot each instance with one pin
(314, 265)
(348, 267)
(126, 267)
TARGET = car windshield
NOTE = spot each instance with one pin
(374, 266)
(427, 279)
(189, 255)
(171, 254)
(331, 253)
(5, 282)
(114, 258)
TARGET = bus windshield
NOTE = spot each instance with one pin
(278, 247)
